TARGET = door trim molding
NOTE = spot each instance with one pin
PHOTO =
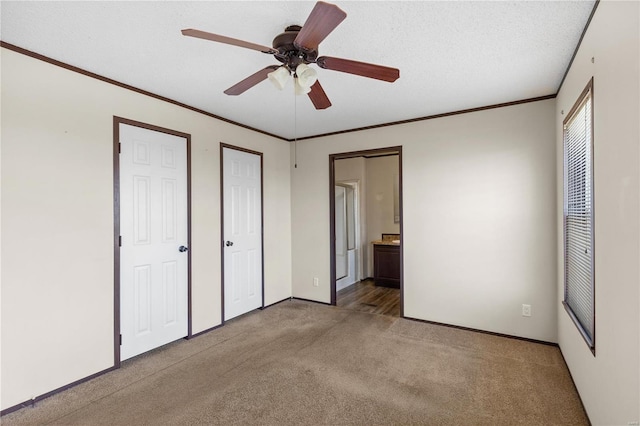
(116, 225)
(332, 208)
(260, 154)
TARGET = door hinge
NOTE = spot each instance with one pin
(120, 241)
(119, 148)
(121, 340)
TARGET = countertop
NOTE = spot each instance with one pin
(385, 243)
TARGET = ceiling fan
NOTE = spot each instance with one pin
(297, 47)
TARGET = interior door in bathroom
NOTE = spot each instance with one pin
(342, 264)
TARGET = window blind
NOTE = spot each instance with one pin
(578, 218)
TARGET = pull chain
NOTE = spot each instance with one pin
(295, 127)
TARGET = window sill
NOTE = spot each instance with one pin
(590, 341)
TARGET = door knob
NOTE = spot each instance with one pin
(182, 249)
(229, 243)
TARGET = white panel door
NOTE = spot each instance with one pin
(341, 232)
(242, 232)
(153, 227)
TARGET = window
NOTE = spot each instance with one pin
(579, 294)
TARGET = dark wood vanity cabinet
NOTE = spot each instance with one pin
(386, 265)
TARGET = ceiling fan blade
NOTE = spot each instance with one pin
(318, 97)
(323, 19)
(363, 69)
(228, 40)
(250, 81)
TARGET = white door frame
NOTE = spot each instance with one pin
(222, 241)
(117, 121)
(344, 244)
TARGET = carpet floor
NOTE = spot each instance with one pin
(301, 363)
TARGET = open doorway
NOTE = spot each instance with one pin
(366, 230)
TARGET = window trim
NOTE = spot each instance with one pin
(589, 340)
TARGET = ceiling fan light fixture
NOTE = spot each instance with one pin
(307, 76)
(299, 88)
(279, 77)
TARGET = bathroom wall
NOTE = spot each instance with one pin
(381, 173)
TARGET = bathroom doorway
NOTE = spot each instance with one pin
(366, 206)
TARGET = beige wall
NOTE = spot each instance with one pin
(479, 217)
(608, 382)
(380, 175)
(57, 219)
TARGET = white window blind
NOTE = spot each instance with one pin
(578, 217)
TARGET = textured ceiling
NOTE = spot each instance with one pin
(452, 55)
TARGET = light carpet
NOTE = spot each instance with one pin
(302, 363)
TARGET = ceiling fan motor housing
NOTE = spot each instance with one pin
(288, 53)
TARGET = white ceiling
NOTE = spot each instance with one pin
(452, 55)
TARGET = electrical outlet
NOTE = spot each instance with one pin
(316, 283)
(526, 310)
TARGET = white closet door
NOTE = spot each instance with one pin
(153, 227)
(242, 232)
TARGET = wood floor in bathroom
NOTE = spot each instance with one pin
(365, 296)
